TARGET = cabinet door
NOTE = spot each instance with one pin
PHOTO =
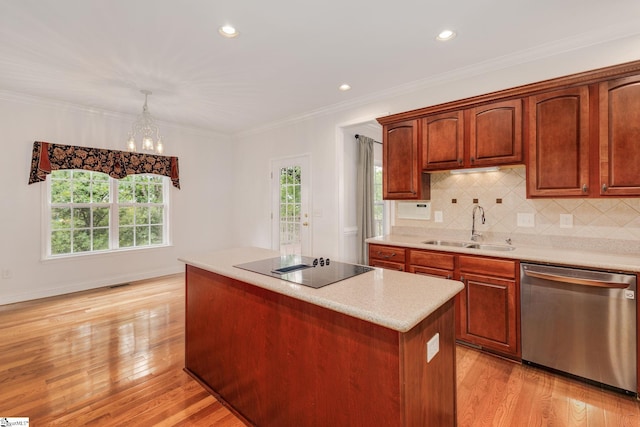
(443, 141)
(558, 162)
(495, 134)
(401, 156)
(488, 313)
(620, 137)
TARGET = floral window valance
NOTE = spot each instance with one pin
(48, 157)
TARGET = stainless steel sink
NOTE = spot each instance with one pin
(469, 245)
(446, 243)
(490, 247)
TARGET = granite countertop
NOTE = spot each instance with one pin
(392, 299)
(589, 258)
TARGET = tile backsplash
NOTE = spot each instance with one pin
(502, 194)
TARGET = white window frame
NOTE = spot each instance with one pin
(113, 221)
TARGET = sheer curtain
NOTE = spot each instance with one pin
(364, 195)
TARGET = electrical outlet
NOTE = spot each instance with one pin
(525, 220)
(438, 216)
(566, 221)
(433, 347)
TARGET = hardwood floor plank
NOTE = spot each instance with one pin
(115, 356)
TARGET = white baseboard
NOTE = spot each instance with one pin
(92, 284)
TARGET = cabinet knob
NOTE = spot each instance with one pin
(473, 160)
(604, 188)
(459, 161)
(462, 279)
(584, 188)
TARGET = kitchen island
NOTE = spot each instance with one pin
(353, 353)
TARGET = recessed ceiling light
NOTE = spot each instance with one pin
(228, 31)
(446, 35)
(343, 87)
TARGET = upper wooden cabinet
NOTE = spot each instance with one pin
(558, 163)
(443, 141)
(620, 137)
(486, 135)
(401, 174)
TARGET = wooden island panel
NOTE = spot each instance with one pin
(276, 360)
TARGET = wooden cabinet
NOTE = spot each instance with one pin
(430, 263)
(390, 257)
(402, 177)
(489, 304)
(619, 128)
(443, 141)
(488, 309)
(558, 163)
(485, 135)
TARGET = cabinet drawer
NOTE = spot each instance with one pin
(433, 272)
(398, 266)
(387, 253)
(432, 259)
(489, 266)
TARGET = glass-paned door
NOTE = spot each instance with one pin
(290, 213)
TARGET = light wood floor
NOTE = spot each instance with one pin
(115, 356)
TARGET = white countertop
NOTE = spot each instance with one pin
(392, 299)
(542, 254)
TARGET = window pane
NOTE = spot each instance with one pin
(155, 194)
(60, 218)
(142, 235)
(141, 193)
(100, 239)
(60, 242)
(101, 217)
(126, 216)
(79, 175)
(82, 217)
(81, 241)
(156, 235)
(125, 192)
(81, 191)
(156, 215)
(100, 192)
(60, 191)
(126, 237)
(142, 215)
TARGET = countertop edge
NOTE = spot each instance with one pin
(545, 255)
(339, 297)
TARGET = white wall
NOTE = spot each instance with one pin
(200, 210)
(317, 135)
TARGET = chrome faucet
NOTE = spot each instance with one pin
(474, 235)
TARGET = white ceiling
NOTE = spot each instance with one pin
(290, 57)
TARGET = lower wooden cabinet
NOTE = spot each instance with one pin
(487, 310)
(389, 257)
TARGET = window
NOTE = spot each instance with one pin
(91, 212)
(378, 202)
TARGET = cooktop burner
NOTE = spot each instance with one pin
(307, 271)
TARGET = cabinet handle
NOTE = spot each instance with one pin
(584, 188)
(604, 188)
(459, 161)
(462, 279)
(473, 160)
(381, 255)
(448, 276)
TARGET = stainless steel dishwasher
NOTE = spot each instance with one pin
(580, 322)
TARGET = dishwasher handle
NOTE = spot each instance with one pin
(575, 280)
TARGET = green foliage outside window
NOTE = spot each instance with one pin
(81, 204)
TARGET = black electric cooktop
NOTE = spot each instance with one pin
(307, 271)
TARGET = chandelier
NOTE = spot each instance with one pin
(146, 129)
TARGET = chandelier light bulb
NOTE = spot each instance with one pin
(145, 129)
